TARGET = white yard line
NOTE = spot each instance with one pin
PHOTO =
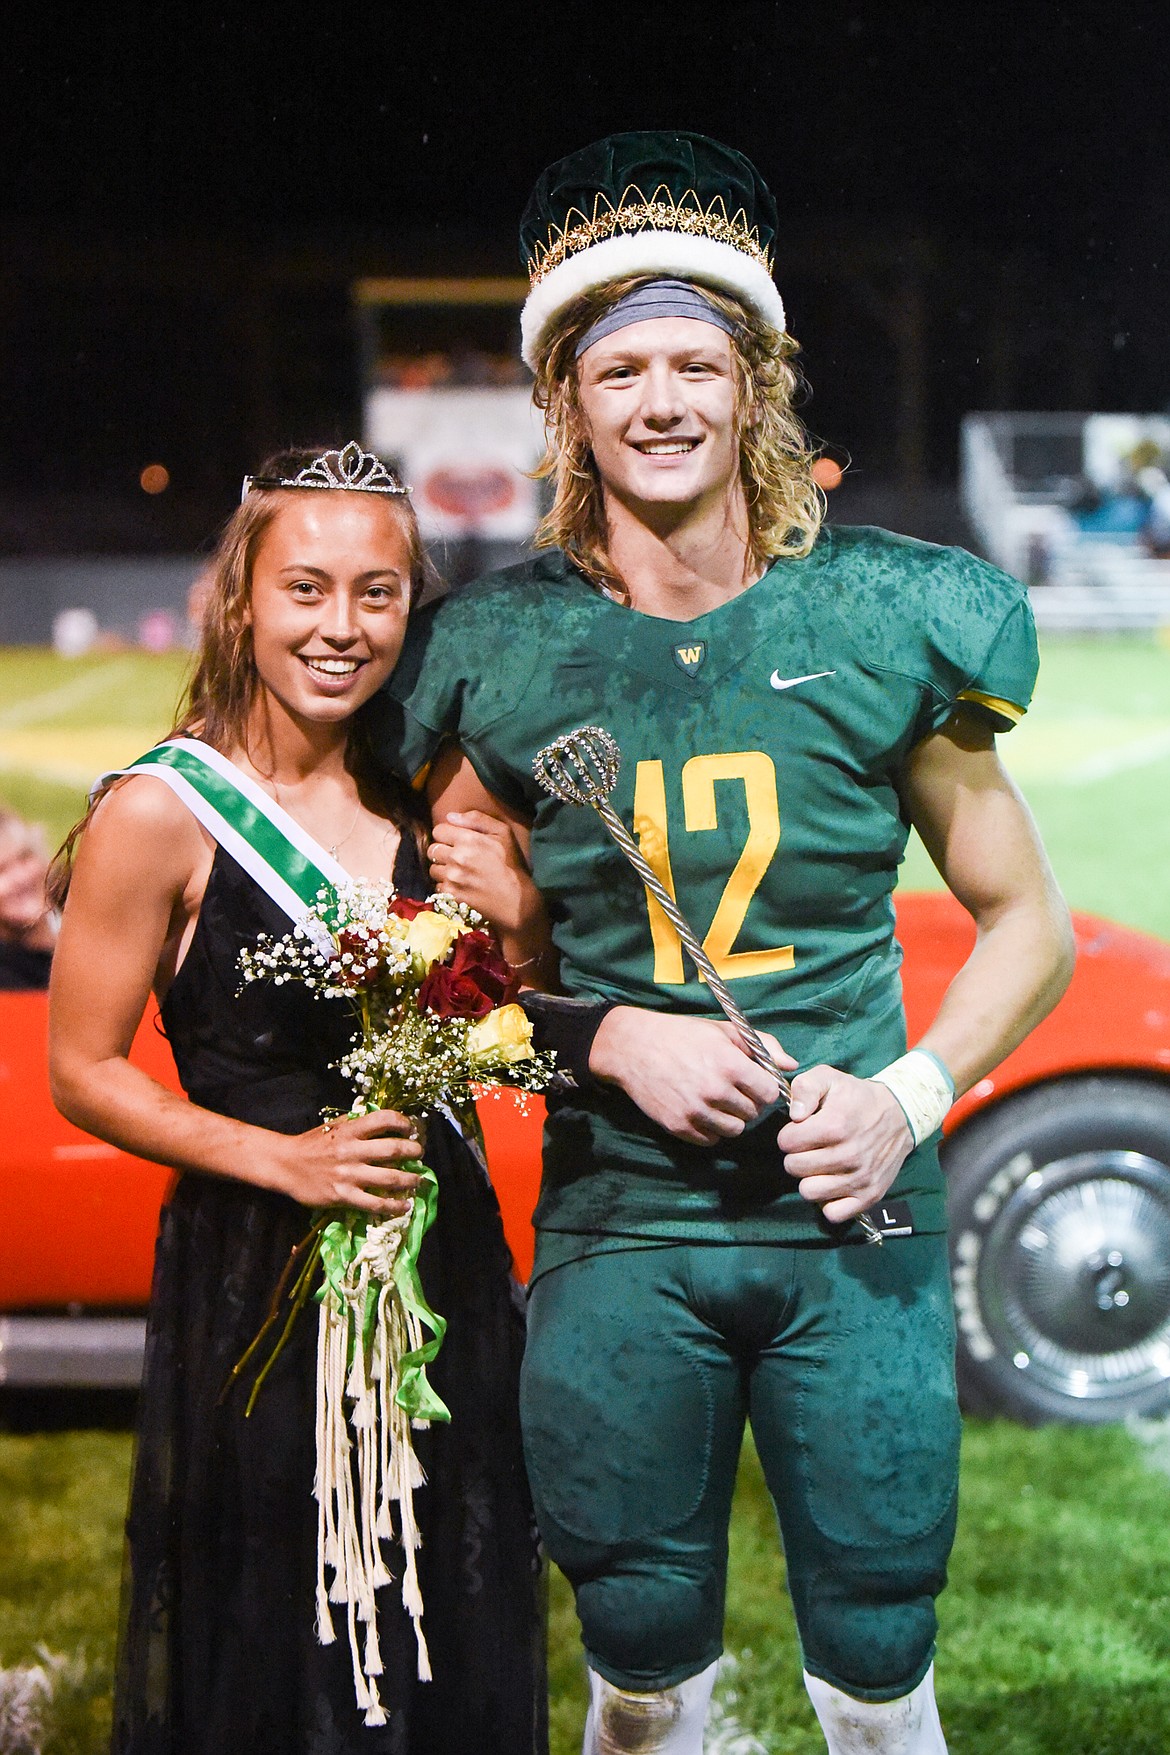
(1154, 1437)
(26, 1695)
(54, 774)
(73, 693)
(725, 1735)
(1138, 754)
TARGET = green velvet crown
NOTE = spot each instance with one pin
(626, 171)
(653, 201)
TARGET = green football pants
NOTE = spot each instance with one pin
(641, 1369)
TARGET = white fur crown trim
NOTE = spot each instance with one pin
(703, 260)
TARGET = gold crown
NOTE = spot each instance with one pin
(663, 212)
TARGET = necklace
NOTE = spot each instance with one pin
(331, 849)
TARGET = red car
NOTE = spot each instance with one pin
(1058, 1165)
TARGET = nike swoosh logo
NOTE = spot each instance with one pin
(790, 682)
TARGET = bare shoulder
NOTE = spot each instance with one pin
(141, 827)
(143, 802)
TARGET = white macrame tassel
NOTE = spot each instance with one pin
(357, 1479)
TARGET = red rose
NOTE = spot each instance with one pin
(406, 907)
(448, 995)
(475, 980)
(364, 966)
(477, 954)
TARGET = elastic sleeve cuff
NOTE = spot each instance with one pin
(568, 1027)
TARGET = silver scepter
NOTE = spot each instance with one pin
(582, 768)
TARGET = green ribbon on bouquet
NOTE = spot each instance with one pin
(342, 1238)
(414, 1393)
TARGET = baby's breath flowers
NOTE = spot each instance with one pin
(423, 981)
(435, 1026)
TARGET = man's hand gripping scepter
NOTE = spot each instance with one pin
(582, 768)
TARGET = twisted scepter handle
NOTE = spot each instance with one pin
(582, 768)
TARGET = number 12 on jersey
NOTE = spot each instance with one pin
(700, 776)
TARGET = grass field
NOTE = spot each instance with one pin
(1093, 760)
(1056, 1627)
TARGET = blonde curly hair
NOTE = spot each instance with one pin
(785, 505)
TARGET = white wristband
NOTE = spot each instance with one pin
(924, 1090)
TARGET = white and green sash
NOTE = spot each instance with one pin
(286, 862)
(289, 866)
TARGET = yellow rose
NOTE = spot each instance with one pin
(503, 1037)
(429, 936)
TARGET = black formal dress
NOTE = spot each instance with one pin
(218, 1653)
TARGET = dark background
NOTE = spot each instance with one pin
(974, 213)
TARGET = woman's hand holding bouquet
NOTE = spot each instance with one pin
(351, 1162)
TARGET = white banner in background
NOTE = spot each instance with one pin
(464, 453)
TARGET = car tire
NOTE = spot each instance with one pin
(1059, 1204)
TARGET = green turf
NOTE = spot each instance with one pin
(1093, 760)
(62, 1503)
(1055, 1634)
(106, 688)
(116, 702)
(1093, 757)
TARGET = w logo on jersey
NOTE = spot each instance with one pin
(689, 657)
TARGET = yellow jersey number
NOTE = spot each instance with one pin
(700, 775)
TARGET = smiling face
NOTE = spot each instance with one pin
(329, 599)
(659, 401)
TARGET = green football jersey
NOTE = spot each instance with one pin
(761, 746)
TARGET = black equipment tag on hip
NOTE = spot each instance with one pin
(892, 1218)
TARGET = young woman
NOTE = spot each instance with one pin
(312, 585)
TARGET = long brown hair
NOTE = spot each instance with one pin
(222, 687)
(784, 504)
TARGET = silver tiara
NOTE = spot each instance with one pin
(351, 468)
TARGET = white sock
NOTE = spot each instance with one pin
(667, 1722)
(909, 1726)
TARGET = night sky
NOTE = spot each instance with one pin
(1025, 146)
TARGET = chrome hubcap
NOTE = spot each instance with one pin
(1074, 1275)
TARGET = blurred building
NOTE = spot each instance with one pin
(141, 380)
(1078, 506)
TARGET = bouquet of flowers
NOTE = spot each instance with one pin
(432, 997)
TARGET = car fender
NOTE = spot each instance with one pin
(78, 1217)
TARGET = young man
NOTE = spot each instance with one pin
(788, 701)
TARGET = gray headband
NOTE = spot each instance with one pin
(659, 298)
